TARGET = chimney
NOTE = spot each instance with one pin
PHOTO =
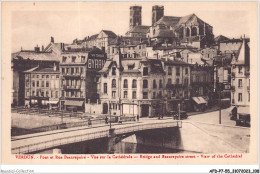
(37, 49)
(52, 39)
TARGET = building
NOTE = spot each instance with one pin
(240, 95)
(202, 86)
(130, 47)
(24, 60)
(177, 84)
(42, 87)
(138, 31)
(78, 71)
(132, 86)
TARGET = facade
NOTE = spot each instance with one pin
(177, 84)
(79, 78)
(240, 95)
(132, 87)
(130, 47)
(202, 85)
(24, 60)
(42, 87)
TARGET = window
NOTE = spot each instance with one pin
(145, 83)
(77, 70)
(47, 76)
(114, 71)
(239, 69)
(154, 95)
(64, 59)
(105, 88)
(33, 76)
(145, 71)
(33, 93)
(169, 81)
(105, 75)
(42, 83)
(37, 76)
(125, 83)
(72, 70)
(42, 94)
(134, 84)
(56, 94)
(248, 96)
(73, 59)
(240, 97)
(134, 95)
(239, 82)
(113, 94)
(177, 81)
(57, 76)
(186, 70)
(154, 84)
(43, 76)
(27, 93)
(81, 70)
(186, 81)
(114, 83)
(63, 70)
(37, 83)
(160, 84)
(177, 71)
(82, 59)
(125, 94)
(145, 95)
(62, 93)
(169, 70)
(68, 70)
(197, 78)
(47, 93)
(33, 83)
(47, 83)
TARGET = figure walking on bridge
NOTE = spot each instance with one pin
(89, 122)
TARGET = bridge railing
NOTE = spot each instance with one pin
(147, 126)
(59, 141)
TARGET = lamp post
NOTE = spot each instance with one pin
(110, 115)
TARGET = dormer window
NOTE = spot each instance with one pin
(114, 71)
(82, 59)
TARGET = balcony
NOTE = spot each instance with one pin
(74, 75)
(71, 87)
(171, 86)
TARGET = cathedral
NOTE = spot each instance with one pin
(188, 30)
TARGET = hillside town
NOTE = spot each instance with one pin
(174, 65)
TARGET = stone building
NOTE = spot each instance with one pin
(240, 95)
(135, 16)
(157, 13)
(132, 86)
(79, 77)
(177, 84)
(42, 87)
(130, 47)
(24, 60)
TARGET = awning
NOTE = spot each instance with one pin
(52, 102)
(73, 103)
(199, 100)
(243, 110)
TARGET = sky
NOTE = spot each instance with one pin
(65, 22)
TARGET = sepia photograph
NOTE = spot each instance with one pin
(132, 79)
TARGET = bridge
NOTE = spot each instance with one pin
(31, 143)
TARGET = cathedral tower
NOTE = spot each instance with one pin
(135, 16)
(157, 13)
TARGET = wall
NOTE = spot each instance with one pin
(93, 108)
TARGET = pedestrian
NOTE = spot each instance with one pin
(137, 118)
(106, 120)
(89, 122)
